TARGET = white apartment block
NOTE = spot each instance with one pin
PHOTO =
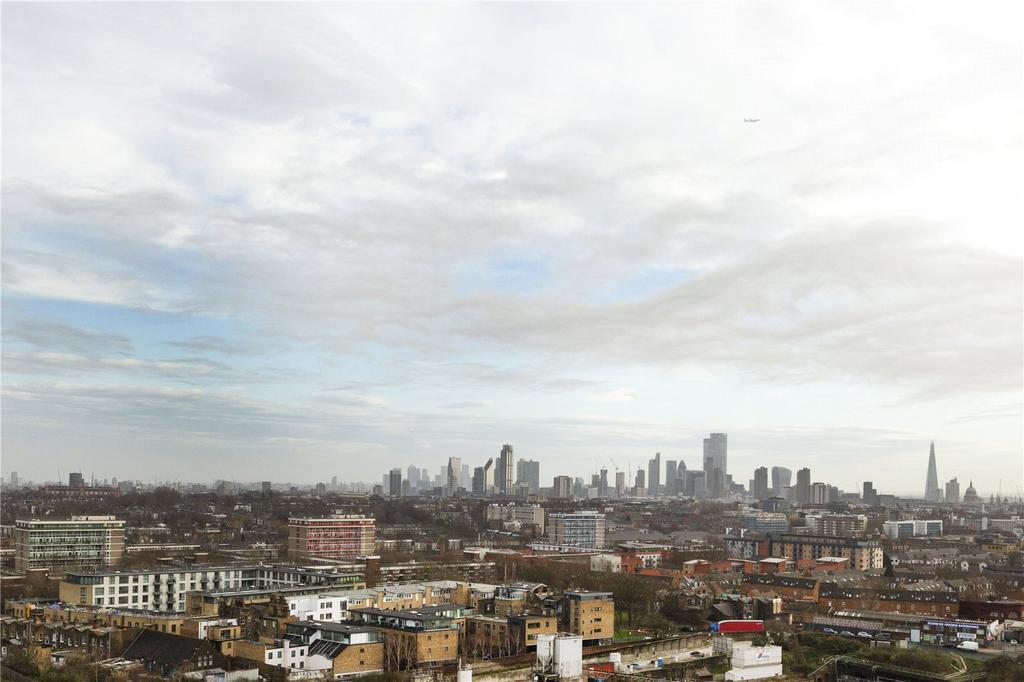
(521, 514)
(164, 589)
(912, 528)
(577, 529)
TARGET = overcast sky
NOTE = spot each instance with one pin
(255, 241)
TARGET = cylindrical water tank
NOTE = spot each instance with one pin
(465, 674)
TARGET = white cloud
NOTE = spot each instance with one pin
(348, 183)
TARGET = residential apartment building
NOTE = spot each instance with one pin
(839, 525)
(334, 605)
(562, 487)
(424, 637)
(525, 515)
(863, 554)
(526, 628)
(337, 649)
(579, 529)
(589, 614)
(342, 536)
(165, 589)
(909, 529)
(838, 597)
(766, 522)
(278, 653)
(528, 474)
(81, 542)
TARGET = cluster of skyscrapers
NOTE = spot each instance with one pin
(501, 475)
(504, 476)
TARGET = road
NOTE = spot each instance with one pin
(643, 663)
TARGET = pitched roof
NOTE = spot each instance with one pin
(326, 648)
(164, 648)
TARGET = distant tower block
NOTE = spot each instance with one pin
(932, 491)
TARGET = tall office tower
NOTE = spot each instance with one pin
(870, 495)
(803, 486)
(562, 487)
(578, 489)
(76, 480)
(454, 472)
(620, 484)
(680, 481)
(694, 484)
(781, 479)
(528, 474)
(760, 490)
(716, 457)
(479, 489)
(395, 482)
(641, 479)
(819, 493)
(671, 466)
(413, 475)
(334, 483)
(504, 475)
(466, 478)
(717, 484)
(953, 491)
(654, 474)
(14, 479)
(602, 484)
(489, 476)
(932, 492)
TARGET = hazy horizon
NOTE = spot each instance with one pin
(281, 242)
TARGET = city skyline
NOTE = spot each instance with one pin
(552, 228)
(471, 481)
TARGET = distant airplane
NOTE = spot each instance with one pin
(751, 120)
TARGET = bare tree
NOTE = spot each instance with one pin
(399, 651)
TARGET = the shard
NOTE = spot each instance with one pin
(932, 492)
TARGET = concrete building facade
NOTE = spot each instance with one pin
(81, 542)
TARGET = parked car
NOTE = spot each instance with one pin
(830, 631)
(863, 634)
(697, 654)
